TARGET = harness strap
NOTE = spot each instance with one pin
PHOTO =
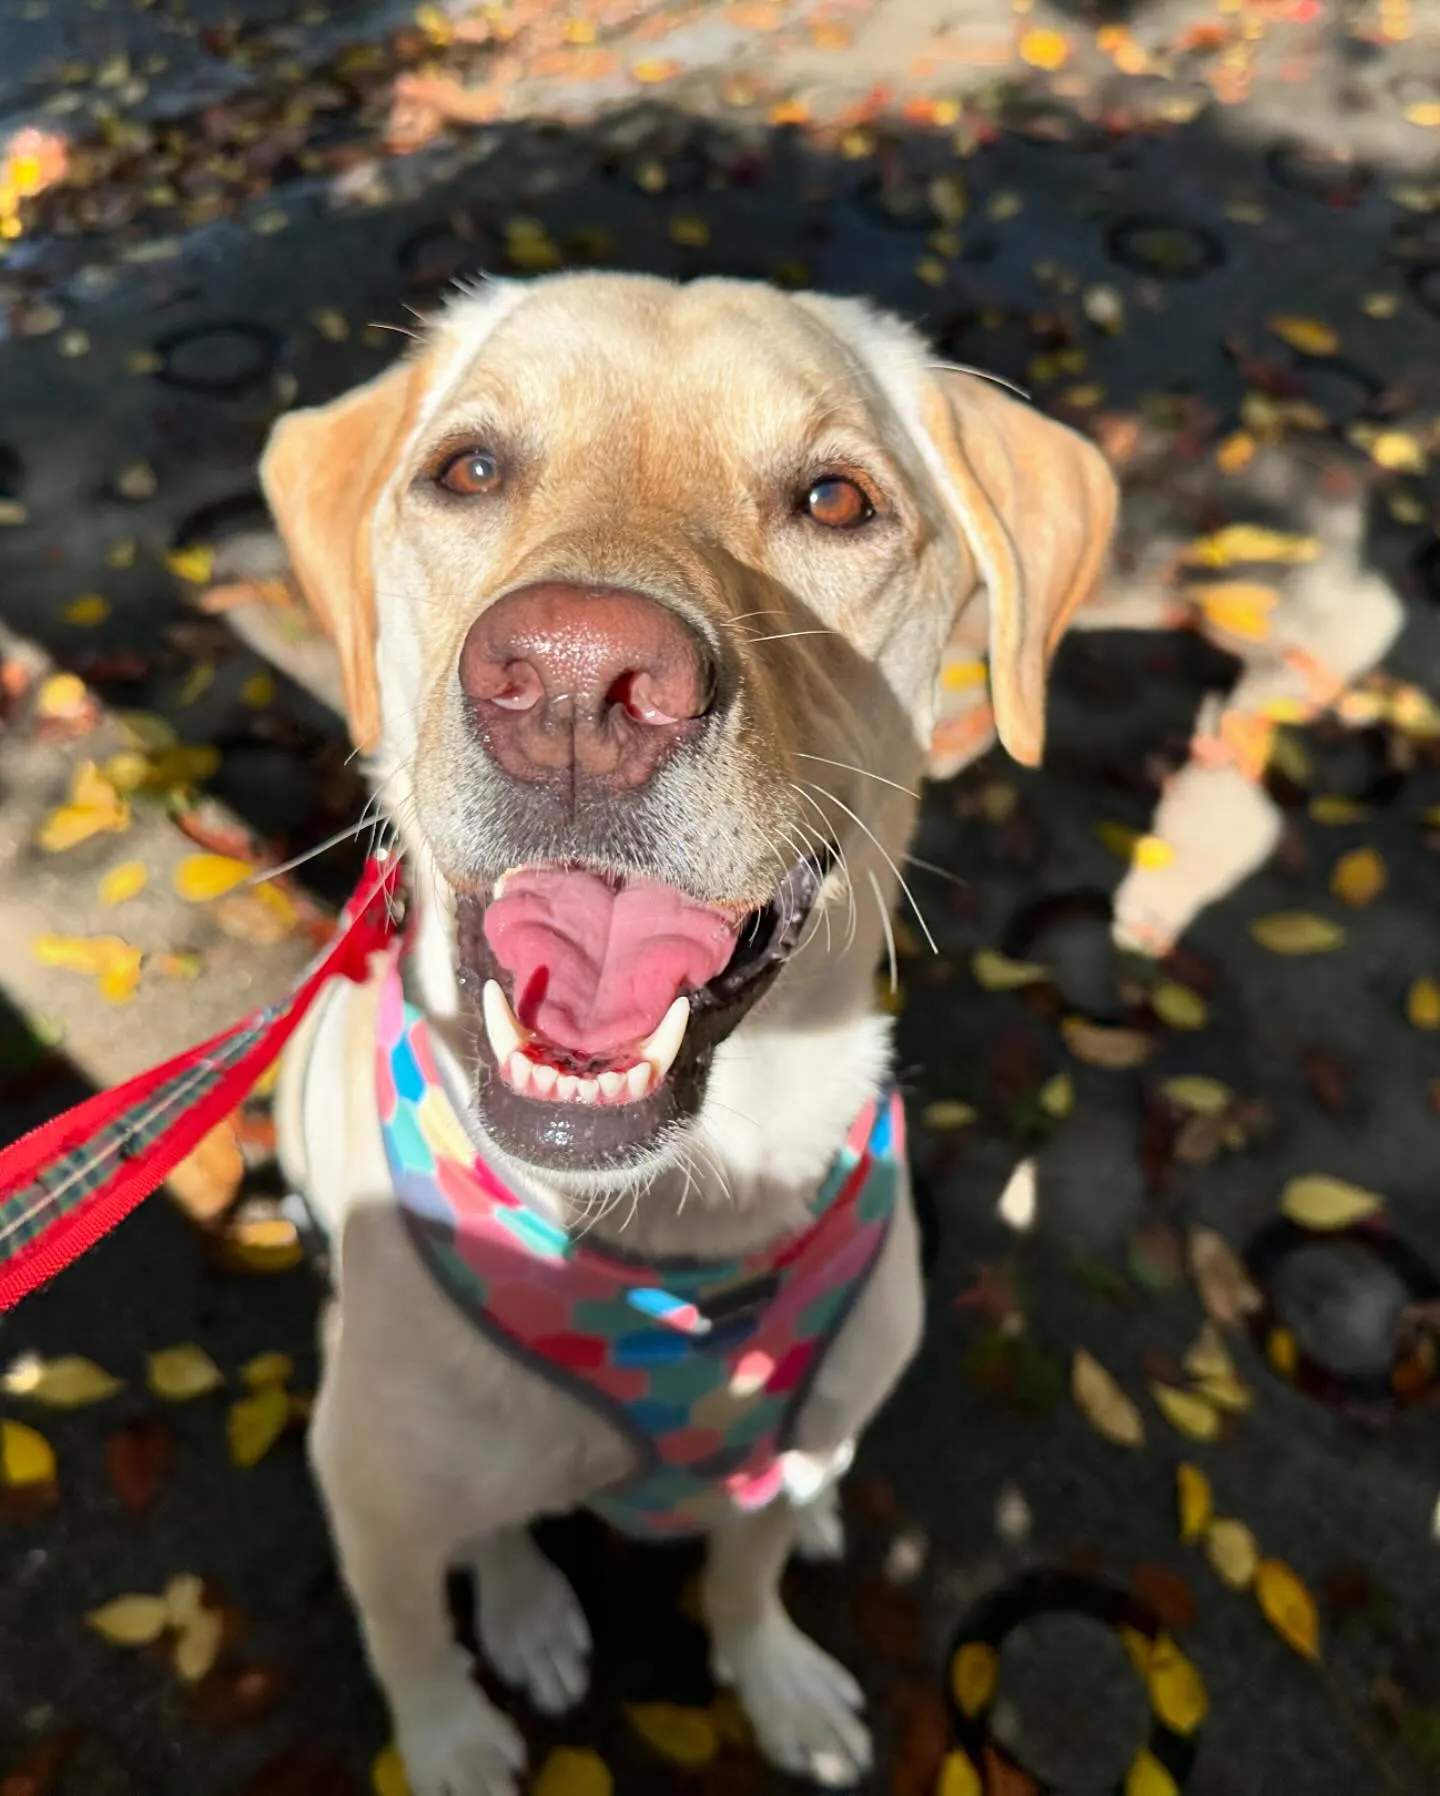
(71, 1180)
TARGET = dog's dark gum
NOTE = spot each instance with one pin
(574, 1137)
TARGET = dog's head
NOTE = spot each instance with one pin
(642, 595)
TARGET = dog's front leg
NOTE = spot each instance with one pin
(802, 1704)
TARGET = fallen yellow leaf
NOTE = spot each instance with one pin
(1397, 452)
(201, 877)
(567, 1771)
(181, 1373)
(26, 1457)
(62, 696)
(1148, 1777)
(1289, 1607)
(89, 609)
(207, 1180)
(1103, 1404)
(1177, 1006)
(974, 1673)
(1226, 1391)
(1423, 112)
(1237, 451)
(93, 806)
(123, 882)
(1194, 1500)
(949, 1113)
(1282, 1351)
(1322, 1203)
(387, 1776)
(1226, 1288)
(1200, 1095)
(1177, 1691)
(1101, 1044)
(1149, 852)
(1207, 1355)
(262, 1244)
(258, 691)
(1056, 1097)
(1234, 1552)
(1190, 1413)
(130, 1620)
(1422, 1006)
(1138, 1647)
(1238, 608)
(958, 1776)
(1044, 49)
(256, 1422)
(680, 1735)
(996, 972)
(198, 1646)
(184, 1598)
(1297, 932)
(1331, 808)
(120, 976)
(194, 564)
(1250, 542)
(1358, 878)
(267, 1368)
(69, 1382)
(1308, 335)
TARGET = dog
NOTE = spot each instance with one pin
(653, 606)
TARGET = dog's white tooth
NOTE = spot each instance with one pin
(639, 1078)
(566, 1088)
(518, 1070)
(501, 1024)
(663, 1045)
(542, 1078)
(589, 1092)
(611, 1085)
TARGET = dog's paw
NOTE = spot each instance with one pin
(820, 1529)
(456, 1743)
(802, 1703)
(532, 1628)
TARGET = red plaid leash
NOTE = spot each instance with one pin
(69, 1182)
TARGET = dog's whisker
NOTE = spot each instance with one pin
(864, 772)
(914, 860)
(862, 824)
(886, 925)
(787, 635)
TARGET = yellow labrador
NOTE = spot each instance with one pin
(642, 595)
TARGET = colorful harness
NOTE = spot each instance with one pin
(702, 1367)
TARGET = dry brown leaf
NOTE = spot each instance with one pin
(1226, 1288)
(262, 915)
(138, 1459)
(1103, 1404)
(1322, 1203)
(1289, 1607)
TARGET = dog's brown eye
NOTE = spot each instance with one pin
(838, 504)
(472, 472)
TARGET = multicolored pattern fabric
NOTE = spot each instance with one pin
(703, 1367)
(67, 1183)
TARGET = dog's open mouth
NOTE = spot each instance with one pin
(600, 999)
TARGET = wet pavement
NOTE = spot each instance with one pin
(235, 240)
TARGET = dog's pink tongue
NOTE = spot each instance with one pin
(595, 969)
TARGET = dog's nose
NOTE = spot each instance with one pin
(587, 682)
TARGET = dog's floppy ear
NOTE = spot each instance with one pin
(1036, 504)
(323, 471)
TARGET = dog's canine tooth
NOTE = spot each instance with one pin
(639, 1079)
(661, 1047)
(501, 1024)
(518, 1070)
(542, 1078)
(611, 1085)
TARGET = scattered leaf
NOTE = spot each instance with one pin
(138, 1459)
(208, 1179)
(1251, 542)
(1289, 1607)
(267, 1368)
(93, 806)
(1194, 1500)
(1322, 1203)
(239, 1697)
(1332, 809)
(1148, 1777)
(1177, 1691)
(256, 1422)
(130, 1620)
(1104, 1045)
(201, 877)
(567, 1771)
(974, 1673)
(181, 1373)
(1056, 1097)
(682, 1736)
(26, 1457)
(69, 1382)
(1103, 1404)
(1177, 1006)
(262, 914)
(1422, 1006)
(1166, 1594)
(35, 1774)
(1044, 49)
(1198, 1094)
(1297, 932)
(958, 1776)
(996, 972)
(1238, 608)
(198, 1645)
(1192, 1414)
(1308, 335)
(1283, 1352)
(949, 1113)
(1358, 878)
(1234, 1552)
(123, 882)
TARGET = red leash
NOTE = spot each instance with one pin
(69, 1182)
